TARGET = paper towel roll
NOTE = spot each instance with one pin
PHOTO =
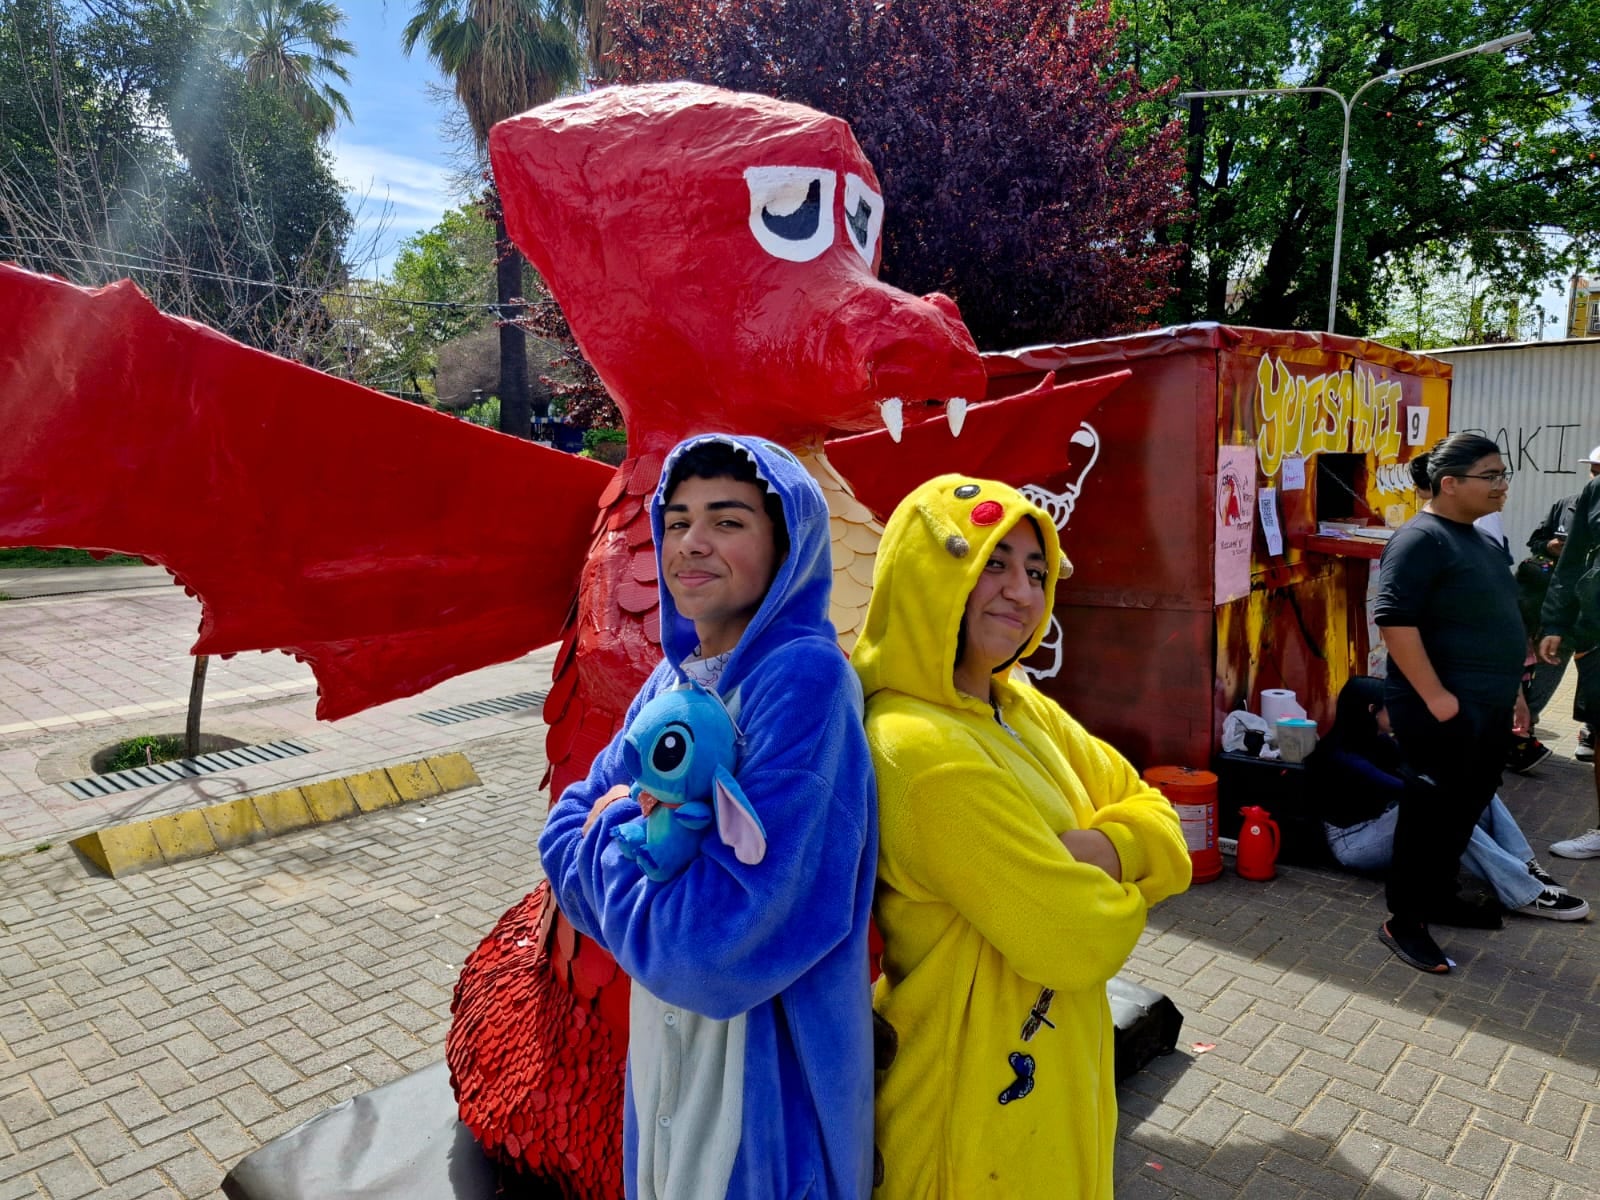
(1278, 704)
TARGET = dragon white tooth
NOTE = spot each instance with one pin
(893, 417)
(955, 412)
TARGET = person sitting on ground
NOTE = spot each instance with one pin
(750, 1024)
(1019, 857)
(1356, 780)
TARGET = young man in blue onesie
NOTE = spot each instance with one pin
(750, 1053)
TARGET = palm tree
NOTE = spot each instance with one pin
(504, 57)
(291, 47)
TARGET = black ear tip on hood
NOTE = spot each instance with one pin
(956, 546)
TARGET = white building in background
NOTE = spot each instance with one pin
(1541, 402)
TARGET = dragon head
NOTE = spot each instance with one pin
(715, 254)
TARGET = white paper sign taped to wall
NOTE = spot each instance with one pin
(1268, 499)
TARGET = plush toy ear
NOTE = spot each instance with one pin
(737, 823)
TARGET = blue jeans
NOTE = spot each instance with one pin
(1497, 851)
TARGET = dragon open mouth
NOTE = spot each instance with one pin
(894, 420)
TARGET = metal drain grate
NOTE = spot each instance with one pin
(497, 707)
(183, 768)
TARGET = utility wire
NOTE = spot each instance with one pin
(143, 263)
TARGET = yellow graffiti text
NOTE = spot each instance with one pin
(1349, 411)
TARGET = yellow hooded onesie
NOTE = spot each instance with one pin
(999, 943)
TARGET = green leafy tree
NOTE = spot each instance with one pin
(130, 148)
(293, 49)
(439, 289)
(1462, 162)
(1430, 309)
(503, 57)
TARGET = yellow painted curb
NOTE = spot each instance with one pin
(235, 823)
(372, 790)
(414, 781)
(453, 771)
(122, 849)
(194, 833)
(183, 835)
(283, 811)
(329, 800)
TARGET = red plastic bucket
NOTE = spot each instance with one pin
(1194, 794)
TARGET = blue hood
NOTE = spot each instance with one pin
(803, 586)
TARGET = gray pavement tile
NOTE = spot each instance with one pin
(67, 1178)
(1517, 1183)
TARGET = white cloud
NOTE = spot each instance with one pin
(393, 195)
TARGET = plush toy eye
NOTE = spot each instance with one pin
(669, 755)
(791, 210)
(863, 216)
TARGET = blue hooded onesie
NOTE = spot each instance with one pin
(750, 1040)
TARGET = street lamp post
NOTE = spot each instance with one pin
(1494, 46)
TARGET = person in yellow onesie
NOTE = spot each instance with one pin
(1016, 861)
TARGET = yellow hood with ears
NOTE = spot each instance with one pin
(933, 551)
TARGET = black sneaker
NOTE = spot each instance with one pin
(1416, 948)
(1525, 754)
(1536, 869)
(1585, 751)
(1558, 906)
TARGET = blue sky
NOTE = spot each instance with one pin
(390, 154)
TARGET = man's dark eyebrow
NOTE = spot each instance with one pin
(714, 506)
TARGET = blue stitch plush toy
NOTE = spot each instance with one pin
(679, 751)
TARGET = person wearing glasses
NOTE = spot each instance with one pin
(1447, 609)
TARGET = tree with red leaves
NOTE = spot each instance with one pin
(1018, 176)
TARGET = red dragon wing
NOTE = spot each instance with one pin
(388, 546)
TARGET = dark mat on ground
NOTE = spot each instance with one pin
(404, 1140)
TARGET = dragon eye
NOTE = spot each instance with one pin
(791, 210)
(667, 756)
(863, 216)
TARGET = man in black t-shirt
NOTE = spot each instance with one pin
(1447, 608)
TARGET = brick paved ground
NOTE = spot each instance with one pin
(154, 1029)
(80, 672)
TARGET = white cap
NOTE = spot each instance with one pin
(1594, 457)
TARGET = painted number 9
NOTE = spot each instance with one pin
(1416, 425)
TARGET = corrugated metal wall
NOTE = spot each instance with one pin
(1541, 402)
